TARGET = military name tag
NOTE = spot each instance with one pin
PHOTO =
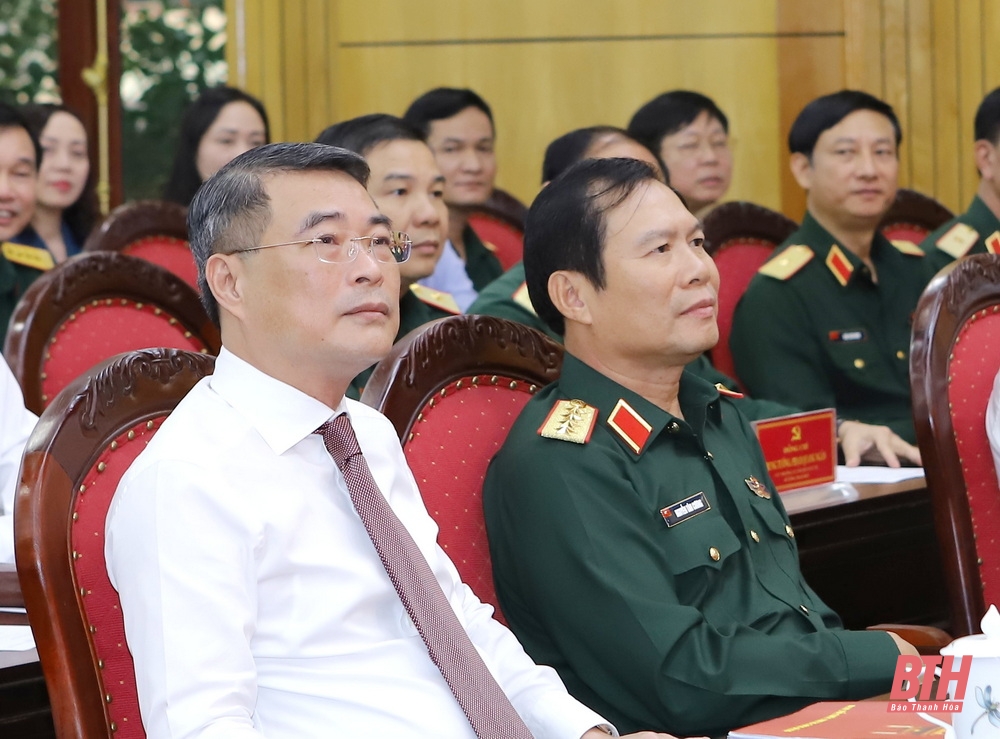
(848, 335)
(682, 510)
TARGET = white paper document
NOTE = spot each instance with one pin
(16, 638)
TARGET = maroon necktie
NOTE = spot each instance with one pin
(484, 703)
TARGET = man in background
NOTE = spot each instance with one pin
(458, 126)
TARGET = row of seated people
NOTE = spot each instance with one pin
(614, 695)
(621, 315)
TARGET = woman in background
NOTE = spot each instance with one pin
(221, 124)
(66, 207)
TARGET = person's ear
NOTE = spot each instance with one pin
(802, 170)
(987, 160)
(224, 274)
(569, 292)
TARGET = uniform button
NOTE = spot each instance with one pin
(859, 363)
(789, 531)
(900, 354)
(714, 554)
(754, 536)
(708, 456)
(673, 427)
(804, 610)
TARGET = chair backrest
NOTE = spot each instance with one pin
(93, 306)
(452, 389)
(85, 440)
(740, 236)
(154, 230)
(954, 357)
(500, 221)
(912, 216)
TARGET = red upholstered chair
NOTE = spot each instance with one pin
(740, 236)
(86, 439)
(954, 357)
(93, 306)
(153, 230)
(500, 221)
(912, 216)
(452, 389)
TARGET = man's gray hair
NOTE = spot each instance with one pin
(231, 210)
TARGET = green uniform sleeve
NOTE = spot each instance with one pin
(775, 351)
(591, 592)
(753, 408)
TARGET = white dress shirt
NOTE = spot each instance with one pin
(449, 276)
(254, 601)
(16, 423)
(993, 423)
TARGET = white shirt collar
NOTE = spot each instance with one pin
(282, 414)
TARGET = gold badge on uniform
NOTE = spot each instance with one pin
(787, 262)
(29, 256)
(905, 246)
(522, 298)
(569, 420)
(435, 298)
(757, 488)
(957, 240)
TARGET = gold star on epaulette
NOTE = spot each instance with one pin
(436, 298)
(569, 420)
(788, 262)
(29, 256)
(522, 298)
(957, 240)
(908, 248)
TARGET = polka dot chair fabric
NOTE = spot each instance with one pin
(85, 440)
(452, 390)
(955, 355)
(174, 255)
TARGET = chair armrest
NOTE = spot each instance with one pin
(10, 589)
(927, 639)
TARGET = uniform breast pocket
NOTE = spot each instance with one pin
(856, 358)
(704, 541)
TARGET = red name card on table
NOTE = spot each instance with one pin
(801, 449)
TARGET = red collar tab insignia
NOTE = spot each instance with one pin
(630, 426)
(723, 390)
(682, 510)
(569, 420)
(757, 488)
(838, 263)
(993, 243)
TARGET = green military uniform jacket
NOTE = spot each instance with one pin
(813, 330)
(20, 265)
(507, 297)
(976, 231)
(693, 628)
(481, 264)
(419, 305)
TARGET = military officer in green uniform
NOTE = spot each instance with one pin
(507, 297)
(407, 186)
(22, 256)
(977, 231)
(458, 126)
(638, 544)
(827, 320)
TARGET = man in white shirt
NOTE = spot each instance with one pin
(16, 423)
(254, 601)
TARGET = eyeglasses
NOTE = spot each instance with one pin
(340, 247)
